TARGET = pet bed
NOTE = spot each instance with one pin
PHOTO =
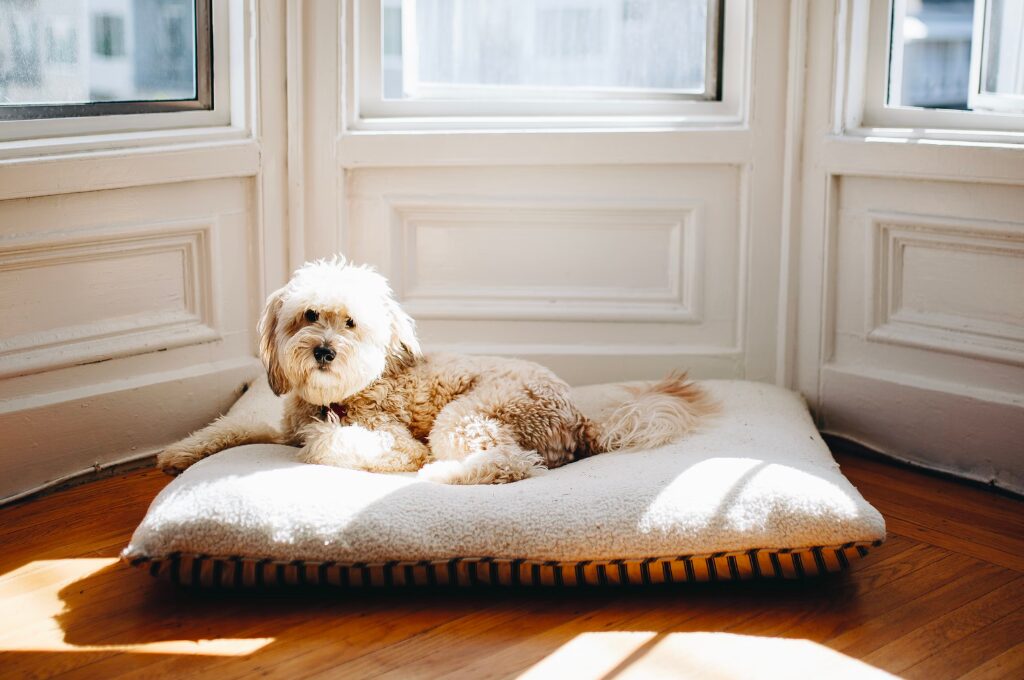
(753, 493)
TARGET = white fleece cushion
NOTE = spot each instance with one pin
(756, 477)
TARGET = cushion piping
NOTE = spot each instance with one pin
(247, 572)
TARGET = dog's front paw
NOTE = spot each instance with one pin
(174, 460)
(442, 471)
(348, 446)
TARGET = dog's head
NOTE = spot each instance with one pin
(332, 330)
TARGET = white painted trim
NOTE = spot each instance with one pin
(588, 364)
(681, 303)
(785, 342)
(120, 168)
(922, 159)
(270, 121)
(198, 322)
(136, 416)
(545, 147)
(871, 407)
(295, 83)
(316, 186)
(889, 234)
(368, 111)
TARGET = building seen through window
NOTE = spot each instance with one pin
(543, 48)
(80, 51)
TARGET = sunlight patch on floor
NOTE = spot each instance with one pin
(621, 654)
(37, 592)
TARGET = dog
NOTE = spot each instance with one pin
(361, 394)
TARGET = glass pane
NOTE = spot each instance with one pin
(931, 53)
(1004, 53)
(79, 51)
(539, 49)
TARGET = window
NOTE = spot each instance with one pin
(946, 64)
(999, 77)
(62, 59)
(465, 58)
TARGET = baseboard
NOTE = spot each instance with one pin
(846, 444)
(51, 439)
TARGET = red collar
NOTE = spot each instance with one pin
(340, 410)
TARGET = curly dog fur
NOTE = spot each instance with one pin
(362, 395)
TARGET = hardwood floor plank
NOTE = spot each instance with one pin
(972, 651)
(906, 526)
(1009, 664)
(953, 522)
(946, 630)
(961, 586)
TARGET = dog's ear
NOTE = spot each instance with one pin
(403, 333)
(268, 343)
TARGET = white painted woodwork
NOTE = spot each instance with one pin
(81, 296)
(461, 259)
(540, 260)
(784, 237)
(911, 271)
(133, 266)
(605, 248)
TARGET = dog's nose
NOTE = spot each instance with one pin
(324, 354)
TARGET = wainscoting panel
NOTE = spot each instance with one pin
(925, 323)
(86, 296)
(128, 319)
(948, 285)
(521, 260)
(580, 266)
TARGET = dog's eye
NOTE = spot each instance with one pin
(311, 316)
(349, 323)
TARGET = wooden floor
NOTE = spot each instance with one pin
(943, 598)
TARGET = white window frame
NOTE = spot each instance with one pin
(227, 119)
(866, 113)
(366, 110)
(987, 101)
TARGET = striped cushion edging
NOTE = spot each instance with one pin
(235, 572)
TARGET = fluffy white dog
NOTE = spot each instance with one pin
(361, 394)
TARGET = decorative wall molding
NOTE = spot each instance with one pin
(665, 240)
(992, 330)
(131, 258)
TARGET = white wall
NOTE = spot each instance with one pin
(131, 275)
(604, 254)
(881, 278)
(911, 273)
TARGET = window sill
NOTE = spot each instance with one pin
(922, 158)
(939, 136)
(94, 165)
(724, 143)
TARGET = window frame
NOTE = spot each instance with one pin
(203, 100)
(979, 99)
(99, 123)
(366, 110)
(870, 58)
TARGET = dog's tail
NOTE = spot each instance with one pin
(654, 415)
